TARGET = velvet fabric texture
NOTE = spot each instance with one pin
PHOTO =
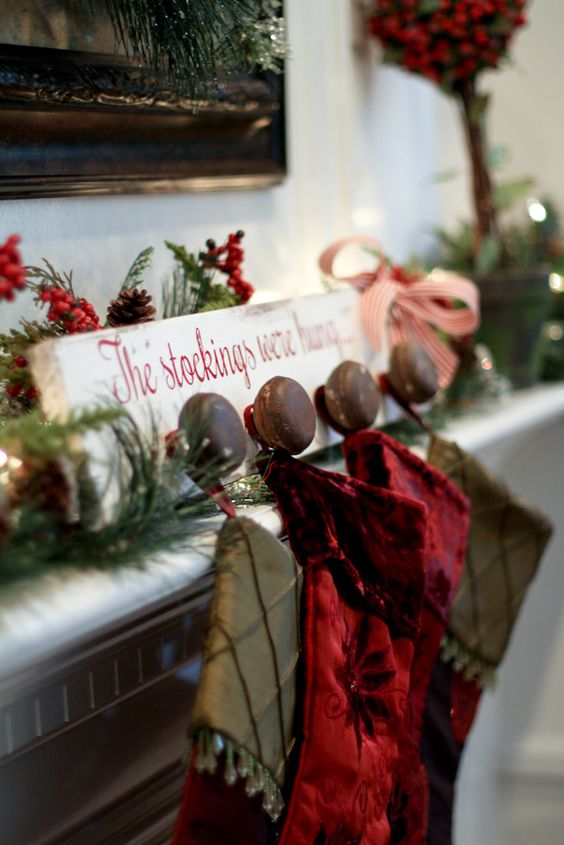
(246, 696)
(506, 541)
(215, 813)
(379, 460)
(362, 553)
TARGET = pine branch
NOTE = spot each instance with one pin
(18, 391)
(189, 43)
(154, 513)
(137, 270)
(31, 332)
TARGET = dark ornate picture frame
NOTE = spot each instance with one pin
(86, 123)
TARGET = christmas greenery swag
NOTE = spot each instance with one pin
(49, 508)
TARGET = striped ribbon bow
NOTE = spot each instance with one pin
(407, 311)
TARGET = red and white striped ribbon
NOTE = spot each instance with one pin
(396, 311)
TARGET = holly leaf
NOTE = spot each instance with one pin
(480, 103)
(181, 254)
(506, 194)
(219, 297)
(427, 7)
(497, 156)
(446, 175)
(392, 55)
(488, 254)
(501, 25)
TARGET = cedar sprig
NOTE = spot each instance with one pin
(136, 272)
(71, 313)
(42, 277)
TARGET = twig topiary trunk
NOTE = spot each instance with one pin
(473, 107)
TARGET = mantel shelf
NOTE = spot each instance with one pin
(63, 611)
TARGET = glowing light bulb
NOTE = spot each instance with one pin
(537, 211)
(556, 282)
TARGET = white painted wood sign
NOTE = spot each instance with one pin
(151, 369)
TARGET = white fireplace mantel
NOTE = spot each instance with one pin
(37, 619)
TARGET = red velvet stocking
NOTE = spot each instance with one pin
(378, 459)
(362, 553)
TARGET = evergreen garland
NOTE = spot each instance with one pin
(154, 512)
(17, 390)
(191, 43)
(50, 509)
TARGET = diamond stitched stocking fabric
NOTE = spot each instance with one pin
(361, 550)
(244, 709)
(506, 541)
(378, 459)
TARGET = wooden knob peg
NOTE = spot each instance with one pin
(412, 374)
(283, 415)
(214, 433)
(351, 396)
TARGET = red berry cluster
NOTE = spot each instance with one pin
(446, 40)
(74, 315)
(12, 273)
(231, 264)
(20, 385)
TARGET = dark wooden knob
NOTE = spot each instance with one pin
(351, 396)
(214, 433)
(413, 374)
(283, 415)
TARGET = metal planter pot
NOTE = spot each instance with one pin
(514, 304)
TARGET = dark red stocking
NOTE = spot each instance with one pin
(361, 550)
(378, 459)
(449, 713)
(213, 813)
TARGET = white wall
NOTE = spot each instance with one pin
(512, 775)
(362, 143)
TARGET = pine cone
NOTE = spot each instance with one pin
(49, 487)
(131, 306)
